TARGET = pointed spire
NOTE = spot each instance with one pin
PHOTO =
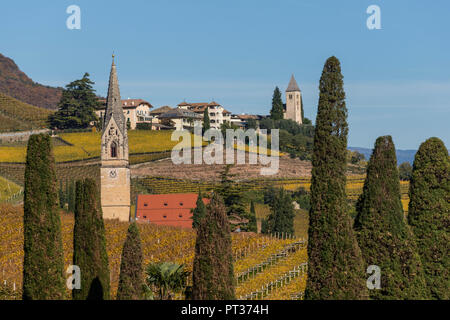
(293, 86)
(113, 101)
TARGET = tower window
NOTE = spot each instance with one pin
(113, 150)
(290, 96)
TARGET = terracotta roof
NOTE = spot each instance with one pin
(198, 106)
(128, 103)
(167, 209)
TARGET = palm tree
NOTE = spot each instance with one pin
(168, 277)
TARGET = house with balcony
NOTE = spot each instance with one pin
(135, 111)
(217, 114)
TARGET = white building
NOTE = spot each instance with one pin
(217, 114)
(182, 119)
(135, 111)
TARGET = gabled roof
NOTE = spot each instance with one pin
(180, 113)
(161, 110)
(292, 86)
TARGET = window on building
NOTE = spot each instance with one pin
(290, 96)
(113, 150)
(146, 204)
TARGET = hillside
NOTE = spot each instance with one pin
(16, 84)
(16, 115)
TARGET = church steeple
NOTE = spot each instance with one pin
(114, 170)
(292, 86)
(113, 102)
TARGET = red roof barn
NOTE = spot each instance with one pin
(172, 209)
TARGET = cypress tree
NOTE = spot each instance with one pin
(131, 279)
(335, 265)
(71, 196)
(429, 214)
(281, 218)
(383, 235)
(213, 276)
(43, 263)
(206, 121)
(89, 244)
(199, 211)
(252, 227)
(61, 195)
(276, 113)
(303, 110)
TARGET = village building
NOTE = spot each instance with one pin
(173, 209)
(217, 114)
(135, 111)
(181, 119)
(241, 120)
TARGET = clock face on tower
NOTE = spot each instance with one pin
(113, 173)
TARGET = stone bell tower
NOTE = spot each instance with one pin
(293, 102)
(114, 171)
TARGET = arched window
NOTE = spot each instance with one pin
(113, 150)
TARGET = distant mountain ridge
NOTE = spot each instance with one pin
(16, 84)
(402, 155)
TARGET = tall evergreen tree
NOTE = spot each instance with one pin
(131, 280)
(43, 263)
(232, 194)
(199, 212)
(429, 214)
(89, 244)
(61, 195)
(206, 121)
(281, 218)
(383, 235)
(77, 106)
(303, 109)
(335, 264)
(71, 196)
(252, 227)
(276, 113)
(213, 276)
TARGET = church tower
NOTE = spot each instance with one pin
(293, 102)
(114, 171)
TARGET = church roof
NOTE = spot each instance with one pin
(293, 86)
(114, 103)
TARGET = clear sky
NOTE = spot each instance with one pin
(397, 79)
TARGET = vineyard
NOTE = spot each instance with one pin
(8, 190)
(161, 185)
(161, 244)
(16, 115)
(86, 145)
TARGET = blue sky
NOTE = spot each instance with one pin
(397, 79)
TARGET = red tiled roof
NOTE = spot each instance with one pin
(129, 103)
(167, 209)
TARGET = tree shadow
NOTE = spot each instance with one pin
(96, 290)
